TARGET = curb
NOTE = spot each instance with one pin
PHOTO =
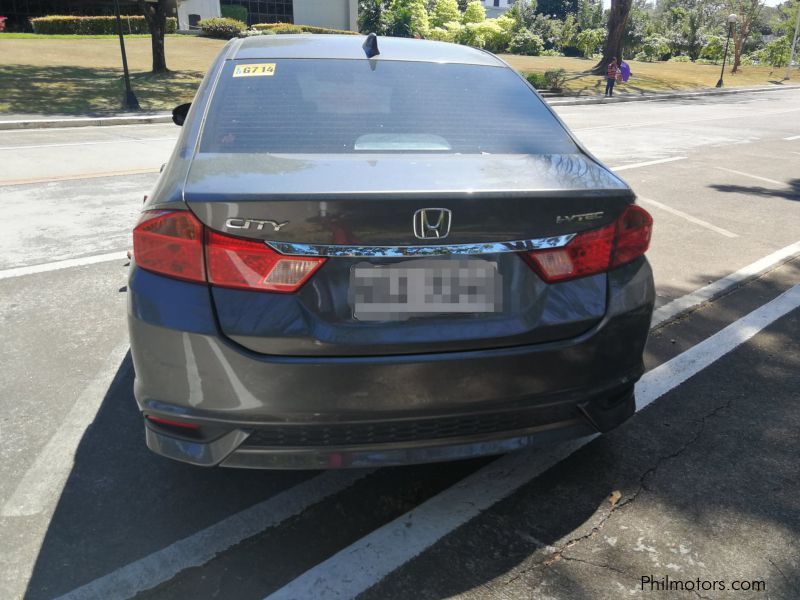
(86, 122)
(167, 117)
(668, 96)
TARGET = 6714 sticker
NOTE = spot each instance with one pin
(256, 70)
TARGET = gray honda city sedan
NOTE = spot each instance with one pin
(380, 251)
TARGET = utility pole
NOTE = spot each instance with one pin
(794, 43)
(130, 102)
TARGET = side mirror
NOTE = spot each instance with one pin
(179, 113)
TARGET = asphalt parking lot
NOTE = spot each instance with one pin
(702, 486)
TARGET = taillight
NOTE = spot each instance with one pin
(252, 265)
(597, 250)
(170, 243)
(173, 243)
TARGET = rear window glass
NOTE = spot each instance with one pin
(348, 106)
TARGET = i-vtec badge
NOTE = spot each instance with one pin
(256, 224)
(580, 218)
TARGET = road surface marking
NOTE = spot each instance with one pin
(648, 163)
(174, 554)
(364, 563)
(793, 137)
(42, 484)
(716, 288)
(681, 121)
(62, 264)
(8, 182)
(688, 217)
(121, 141)
(201, 547)
(743, 174)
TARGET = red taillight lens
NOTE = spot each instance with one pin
(170, 243)
(634, 228)
(249, 264)
(170, 423)
(598, 250)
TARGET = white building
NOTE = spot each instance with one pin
(495, 8)
(192, 11)
(334, 14)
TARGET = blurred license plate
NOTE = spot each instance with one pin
(424, 287)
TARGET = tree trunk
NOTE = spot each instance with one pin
(738, 44)
(617, 20)
(155, 13)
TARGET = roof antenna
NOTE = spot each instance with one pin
(371, 46)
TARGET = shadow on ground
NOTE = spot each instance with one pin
(62, 90)
(714, 461)
(791, 192)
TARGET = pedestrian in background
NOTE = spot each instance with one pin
(611, 77)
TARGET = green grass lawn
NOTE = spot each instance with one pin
(83, 74)
(647, 77)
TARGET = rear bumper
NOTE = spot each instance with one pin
(440, 403)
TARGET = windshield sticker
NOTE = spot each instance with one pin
(258, 70)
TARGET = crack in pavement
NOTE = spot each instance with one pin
(558, 551)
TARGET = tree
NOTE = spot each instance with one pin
(557, 8)
(371, 16)
(475, 13)
(445, 11)
(155, 13)
(747, 12)
(615, 30)
(589, 40)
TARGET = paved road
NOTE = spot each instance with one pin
(702, 483)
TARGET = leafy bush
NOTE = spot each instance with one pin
(443, 12)
(555, 79)
(775, 54)
(654, 47)
(526, 43)
(589, 40)
(281, 28)
(537, 80)
(714, 49)
(681, 58)
(234, 11)
(222, 27)
(70, 25)
(475, 13)
(551, 52)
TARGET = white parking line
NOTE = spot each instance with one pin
(792, 137)
(123, 141)
(10, 182)
(751, 176)
(688, 217)
(62, 264)
(648, 163)
(186, 551)
(41, 486)
(718, 287)
(204, 545)
(364, 563)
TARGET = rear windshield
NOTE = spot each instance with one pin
(305, 106)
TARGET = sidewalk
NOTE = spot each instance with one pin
(38, 121)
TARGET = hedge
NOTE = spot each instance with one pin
(221, 27)
(292, 28)
(234, 11)
(71, 25)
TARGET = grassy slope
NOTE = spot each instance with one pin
(84, 75)
(647, 77)
(71, 74)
